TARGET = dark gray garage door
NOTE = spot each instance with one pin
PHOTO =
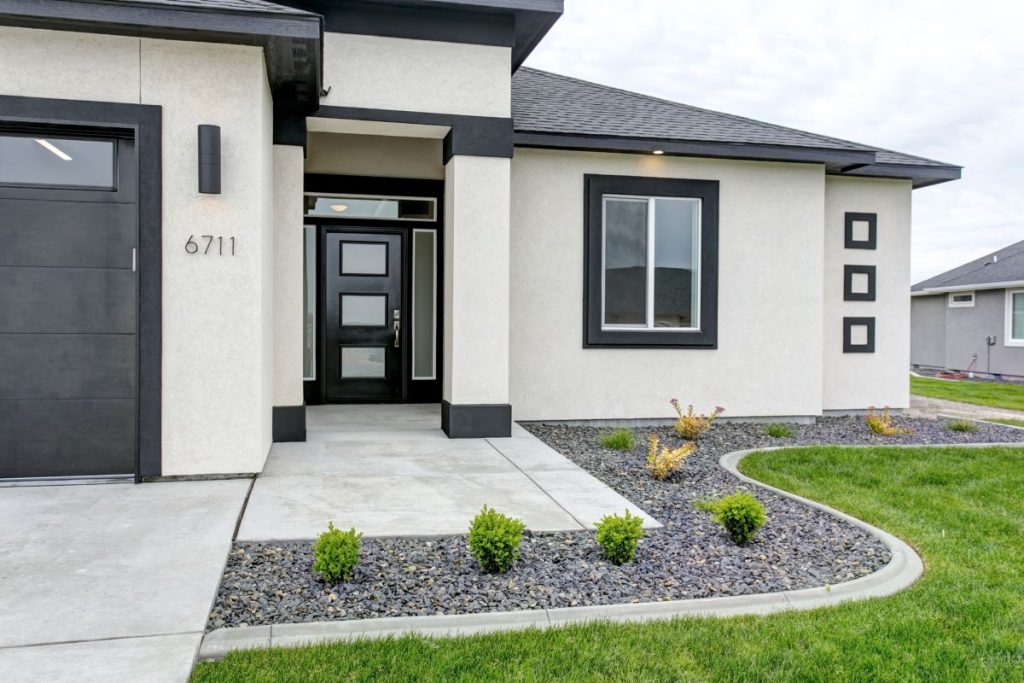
(68, 342)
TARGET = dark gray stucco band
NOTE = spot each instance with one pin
(477, 421)
(481, 136)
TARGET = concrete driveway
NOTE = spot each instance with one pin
(110, 582)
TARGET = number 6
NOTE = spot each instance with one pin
(190, 246)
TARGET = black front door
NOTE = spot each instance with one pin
(363, 316)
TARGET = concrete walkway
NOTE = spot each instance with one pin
(389, 470)
(110, 582)
(922, 406)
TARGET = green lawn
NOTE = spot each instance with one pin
(1009, 396)
(963, 622)
(1006, 421)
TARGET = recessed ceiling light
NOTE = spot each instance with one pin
(339, 207)
(659, 152)
(53, 148)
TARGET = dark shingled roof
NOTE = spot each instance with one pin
(1005, 265)
(222, 5)
(550, 104)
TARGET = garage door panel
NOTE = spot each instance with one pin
(62, 366)
(62, 233)
(67, 438)
(71, 300)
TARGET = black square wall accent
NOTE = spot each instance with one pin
(858, 335)
(856, 288)
(857, 241)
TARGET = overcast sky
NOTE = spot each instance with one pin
(935, 78)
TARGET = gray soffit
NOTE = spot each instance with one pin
(292, 39)
(1004, 267)
(555, 111)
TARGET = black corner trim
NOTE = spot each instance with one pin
(848, 345)
(872, 220)
(289, 423)
(290, 128)
(848, 273)
(476, 421)
(145, 122)
(479, 136)
(595, 187)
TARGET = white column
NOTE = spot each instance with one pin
(288, 276)
(476, 296)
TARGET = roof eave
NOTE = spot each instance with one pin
(292, 43)
(833, 158)
(931, 291)
(920, 175)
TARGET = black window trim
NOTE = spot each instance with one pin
(595, 188)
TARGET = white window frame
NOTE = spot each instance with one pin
(1009, 339)
(961, 304)
(696, 295)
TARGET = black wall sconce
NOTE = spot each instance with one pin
(209, 159)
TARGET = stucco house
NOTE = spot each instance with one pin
(971, 318)
(216, 212)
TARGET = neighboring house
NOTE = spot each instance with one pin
(972, 317)
(215, 213)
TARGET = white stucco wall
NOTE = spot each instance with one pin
(374, 155)
(288, 275)
(854, 381)
(769, 356)
(217, 310)
(376, 72)
(476, 281)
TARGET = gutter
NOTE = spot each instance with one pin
(1010, 284)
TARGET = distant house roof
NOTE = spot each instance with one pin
(1003, 268)
(557, 111)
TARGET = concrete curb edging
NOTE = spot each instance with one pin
(903, 569)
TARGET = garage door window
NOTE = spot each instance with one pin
(27, 160)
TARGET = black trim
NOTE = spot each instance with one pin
(292, 42)
(289, 128)
(848, 293)
(713, 150)
(415, 391)
(872, 220)
(595, 187)
(480, 136)
(848, 346)
(517, 24)
(922, 176)
(289, 423)
(479, 421)
(145, 123)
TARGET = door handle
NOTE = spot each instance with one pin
(398, 329)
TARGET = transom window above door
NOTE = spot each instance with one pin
(371, 207)
(651, 275)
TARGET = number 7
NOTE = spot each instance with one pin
(209, 241)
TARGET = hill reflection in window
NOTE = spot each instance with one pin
(651, 252)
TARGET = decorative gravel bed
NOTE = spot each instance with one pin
(691, 557)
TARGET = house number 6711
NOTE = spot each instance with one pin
(217, 243)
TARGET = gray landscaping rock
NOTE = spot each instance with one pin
(690, 557)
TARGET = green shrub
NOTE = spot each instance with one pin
(494, 540)
(618, 535)
(740, 514)
(962, 426)
(619, 440)
(336, 553)
(778, 431)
